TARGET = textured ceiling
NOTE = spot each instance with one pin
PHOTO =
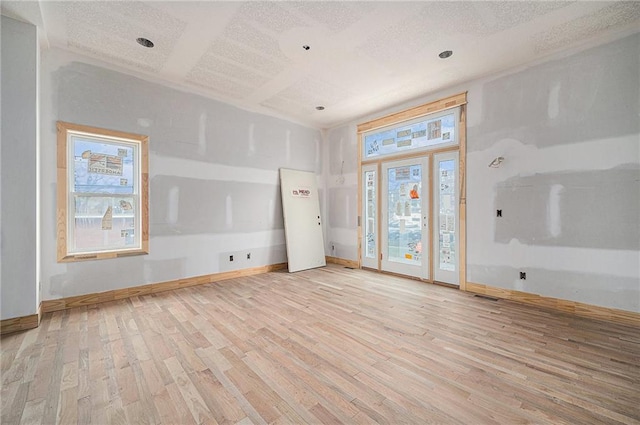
(363, 56)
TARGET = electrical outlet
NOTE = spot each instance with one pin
(498, 213)
(249, 256)
(523, 275)
(231, 258)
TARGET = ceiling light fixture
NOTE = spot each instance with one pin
(145, 42)
(320, 108)
(445, 54)
(306, 47)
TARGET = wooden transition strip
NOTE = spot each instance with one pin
(572, 307)
(152, 288)
(343, 262)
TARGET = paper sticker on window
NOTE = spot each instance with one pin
(403, 173)
(107, 219)
(105, 164)
(435, 129)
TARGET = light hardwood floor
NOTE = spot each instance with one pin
(330, 345)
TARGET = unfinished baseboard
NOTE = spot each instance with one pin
(152, 288)
(573, 307)
(343, 262)
(23, 323)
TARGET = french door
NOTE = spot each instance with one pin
(404, 217)
(401, 200)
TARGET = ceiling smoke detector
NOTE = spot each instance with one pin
(145, 42)
(445, 54)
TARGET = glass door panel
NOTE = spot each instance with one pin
(369, 213)
(404, 217)
(446, 247)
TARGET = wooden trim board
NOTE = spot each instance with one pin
(572, 307)
(23, 323)
(152, 288)
(462, 199)
(407, 114)
(343, 262)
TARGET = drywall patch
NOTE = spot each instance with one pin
(617, 14)
(228, 202)
(343, 150)
(202, 133)
(343, 207)
(102, 30)
(554, 221)
(210, 206)
(597, 98)
(156, 271)
(347, 252)
(594, 209)
(173, 202)
(553, 110)
(179, 124)
(97, 276)
(596, 289)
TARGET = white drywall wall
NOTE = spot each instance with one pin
(19, 169)
(214, 189)
(569, 187)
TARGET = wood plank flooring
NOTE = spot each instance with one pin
(330, 345)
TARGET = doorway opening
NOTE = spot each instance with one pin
(412, 200)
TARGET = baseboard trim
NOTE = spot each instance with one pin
(152, 288)
(17, 324)
(343, 262)
(573, 307)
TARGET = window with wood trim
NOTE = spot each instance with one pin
(102, 193)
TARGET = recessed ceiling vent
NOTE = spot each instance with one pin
(445, 54)
(320, 108)
(145, 42)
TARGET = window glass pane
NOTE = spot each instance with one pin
(104, 223)
(425, 133)
(370, 214)
(447, 219)
(102, 167)
(405, 212)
